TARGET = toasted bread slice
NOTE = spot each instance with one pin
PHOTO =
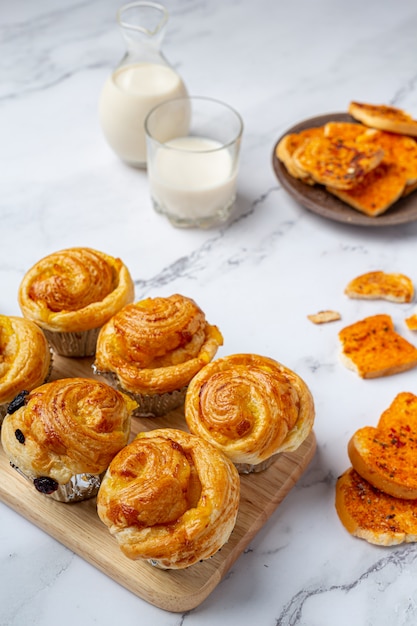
(381, 285)
(339, 163)
(411, 322)
(397, 149)
(385, 455)
(384, 117)
(372, 348)
(344, 130)
(370, 514)
(376, 193)
(288, 145)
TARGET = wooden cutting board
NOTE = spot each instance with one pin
(78, 527)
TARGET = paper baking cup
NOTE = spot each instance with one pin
(248, 468)
(79, 487)
(74, 344)
(149, 405)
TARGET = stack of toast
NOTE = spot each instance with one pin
(369, 163)
(376, 498)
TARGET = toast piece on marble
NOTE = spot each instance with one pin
(381, 285)
(372, 348)
(338, 163)
(385, 455)
(384, 117)
(370, 514)
(411, 322)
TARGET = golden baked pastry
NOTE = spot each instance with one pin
(169, 497)
(250, 407)
(74, 291)
(395, 287)
(64, 428)
(370, 514)
(155, 346)
(337, 163)
(25, 358)
(372, 348)
(385, 455)
(384, 117)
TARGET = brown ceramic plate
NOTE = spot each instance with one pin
(318, 200)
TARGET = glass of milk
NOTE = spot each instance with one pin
(193, 146)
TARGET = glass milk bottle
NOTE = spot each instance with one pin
(142, 80)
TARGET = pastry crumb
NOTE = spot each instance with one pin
(322, 317)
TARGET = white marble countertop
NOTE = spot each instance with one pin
(258, 277)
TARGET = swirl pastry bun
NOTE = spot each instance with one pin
(251, 408)
(70, 294)
(25, 358)
(62, 436)
(170, 498)
(151, 349)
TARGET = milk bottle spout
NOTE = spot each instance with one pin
(143, 27)
(141, 80)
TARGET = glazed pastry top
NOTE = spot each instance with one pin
(157, 345)
(67, 427)
(25, 356)
(169, 497)
(250, 407)
(75, 289)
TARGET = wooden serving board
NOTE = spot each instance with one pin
(78, 527)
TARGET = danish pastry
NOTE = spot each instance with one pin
(250, 407)
(70, 294)
(170, 498)
(152, 348)
(25, 361)
(62, 435)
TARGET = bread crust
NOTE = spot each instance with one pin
(169, 497)
(250, 407)
(372, 348)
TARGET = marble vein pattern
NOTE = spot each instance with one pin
(257, 277)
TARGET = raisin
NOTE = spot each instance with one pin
(46, 485)
(17, 402)
(19, 435)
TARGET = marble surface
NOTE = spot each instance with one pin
(257, 277)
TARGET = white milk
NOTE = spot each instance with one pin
(127, 97)
(191, 179)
